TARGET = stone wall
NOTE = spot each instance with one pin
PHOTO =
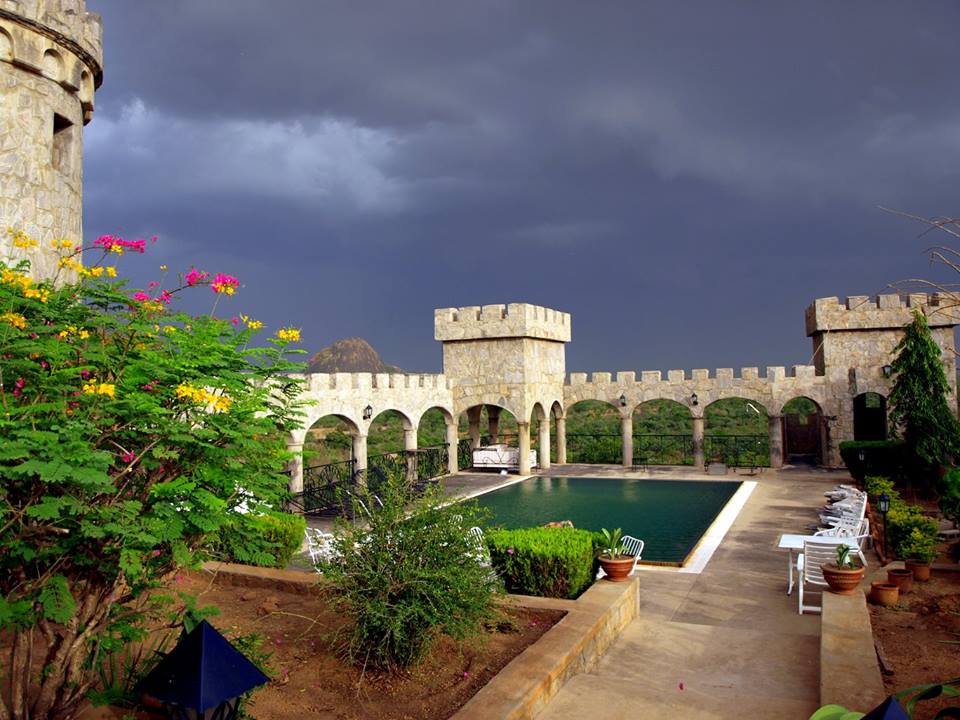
(50, 66)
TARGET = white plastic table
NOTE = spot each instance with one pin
(795, 542)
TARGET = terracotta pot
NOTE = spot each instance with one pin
(617, 570)
(886, 594)
(902, 578)
(921, 570)
(842, 581)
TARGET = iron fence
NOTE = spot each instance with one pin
(325, 487)
(737, 450)
(595, 449)
(663, 449)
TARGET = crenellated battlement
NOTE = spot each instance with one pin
(655, 377)
(516, 320)
(881, 312)
(375, 381)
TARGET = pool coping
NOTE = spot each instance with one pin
(696, 560)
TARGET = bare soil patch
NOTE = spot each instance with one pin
(312, 681)
(919, 638)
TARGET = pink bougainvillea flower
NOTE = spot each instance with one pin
(226, 284)
(128, 457)
(85, 374)
(195, 276)
(153, 284)
(235, 321)
(509, 551)
(164, 297)
(141, 296)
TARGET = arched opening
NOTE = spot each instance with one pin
(389, 436)
(490, 428)
(6, 46)
(662, 433)
(558, 430)
(593, 433)
(736, 433)
(869, 416)
(803, 430)
(329, 464)
(53, 65)
(433, 450)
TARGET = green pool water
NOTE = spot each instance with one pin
(668, 515)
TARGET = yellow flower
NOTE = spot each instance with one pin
(216, 402)
(289, 334)
(13, 319)
(169, 329)
(254, 324)
(21, 239)
(111, 271)
(92, 387)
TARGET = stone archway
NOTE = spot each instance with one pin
(870, 416)
(804, 431)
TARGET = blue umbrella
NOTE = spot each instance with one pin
(889, 709)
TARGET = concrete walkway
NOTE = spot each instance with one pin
(727, 643)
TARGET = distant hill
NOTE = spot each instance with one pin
(350, 355)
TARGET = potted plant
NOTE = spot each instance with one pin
(843, 577)
(615, 563)
(918, 550)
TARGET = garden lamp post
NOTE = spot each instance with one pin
(202, 678)
(883, 505)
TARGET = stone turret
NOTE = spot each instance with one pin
(51, 63)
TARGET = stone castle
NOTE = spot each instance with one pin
(51, 63)
(498, 357)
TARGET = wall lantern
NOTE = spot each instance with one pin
(694, 400)
(887, 370)
(202, 678)
(623, 401)
(367, 412)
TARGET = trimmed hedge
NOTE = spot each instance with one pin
(549, 562)
(880, 457)
(265, 540)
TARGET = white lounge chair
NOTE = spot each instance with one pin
(632, 546)
(808, 563)
(319, 544)
(478, 548)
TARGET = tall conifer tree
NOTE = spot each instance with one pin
(918, 399)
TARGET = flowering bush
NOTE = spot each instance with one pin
(130, 435)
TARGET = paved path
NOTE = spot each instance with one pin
(730, 635)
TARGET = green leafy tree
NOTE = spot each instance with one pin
(918, 400)
(131, 434)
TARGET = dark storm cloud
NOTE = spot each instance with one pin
(683, 177)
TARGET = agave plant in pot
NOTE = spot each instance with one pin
(616, 564)
(843, 576)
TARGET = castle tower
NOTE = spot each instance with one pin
(51, 62)
(505, 356)
(853, 343)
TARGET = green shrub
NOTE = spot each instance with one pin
(549, 562)
(918, 545)
(950, 497)
(269, 540)
(877, 485)
(880, 457)
(909, 529)
(407, 575)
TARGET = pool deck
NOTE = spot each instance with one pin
(725, 643)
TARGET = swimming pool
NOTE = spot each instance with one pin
(670, 516)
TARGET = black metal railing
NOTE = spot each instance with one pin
(596, 449)
(324, 487)
(432, 462)
(511, 439)
(737, 450)
(663, 449)
(464, 454)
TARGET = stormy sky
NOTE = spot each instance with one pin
(684, 178)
